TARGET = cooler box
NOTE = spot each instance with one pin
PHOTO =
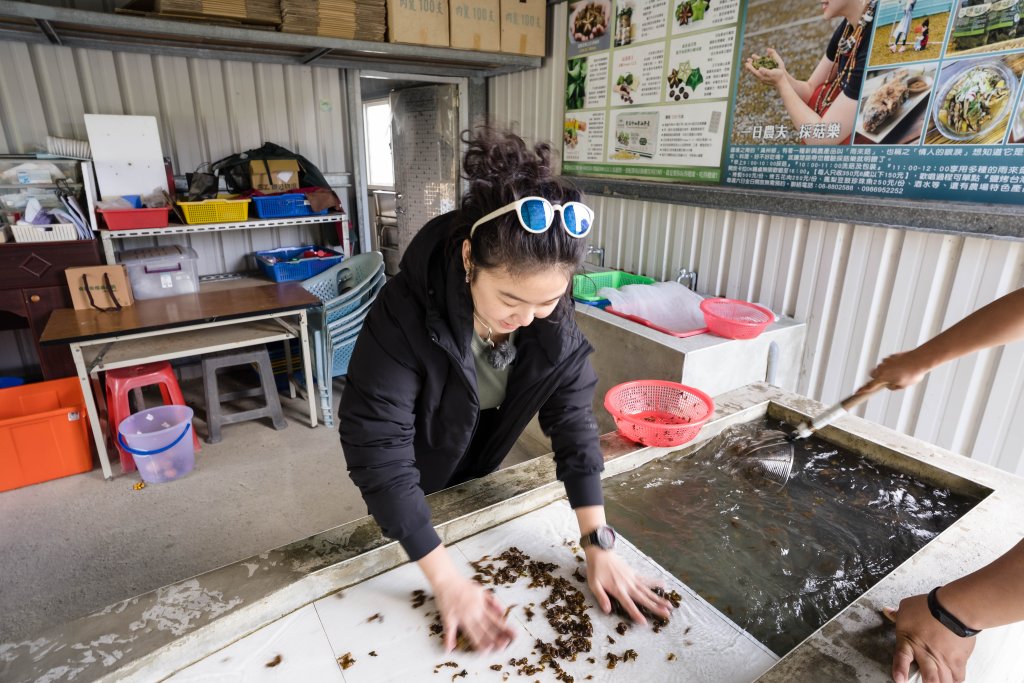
(161, 271)
(44, 433)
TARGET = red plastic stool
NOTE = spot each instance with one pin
(121, 381)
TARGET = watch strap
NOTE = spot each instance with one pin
(947, 619)
(594, 539)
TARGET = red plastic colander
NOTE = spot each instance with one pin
(658, 413)
(735, 319)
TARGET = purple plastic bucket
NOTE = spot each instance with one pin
(160, 441)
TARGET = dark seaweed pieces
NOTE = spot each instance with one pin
(375, 617)
(273, 662)
(345, 661)
(622, 628)
(565, 609)
(629, 655)
(657, 622)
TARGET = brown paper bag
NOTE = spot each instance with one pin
(105, 288)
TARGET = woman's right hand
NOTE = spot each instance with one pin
(769, 76)
(468, 607)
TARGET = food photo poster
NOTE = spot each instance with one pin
(900, 98)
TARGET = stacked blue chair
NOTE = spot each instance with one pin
(346, 290)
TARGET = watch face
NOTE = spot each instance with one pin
(606, 537)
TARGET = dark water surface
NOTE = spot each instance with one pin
(780, 563)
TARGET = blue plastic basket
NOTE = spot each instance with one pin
(285, 270)
(284, 206)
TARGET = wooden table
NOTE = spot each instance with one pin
(177, 327)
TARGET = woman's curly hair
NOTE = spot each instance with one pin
(500, 168)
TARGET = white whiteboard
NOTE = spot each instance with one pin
(126, 153)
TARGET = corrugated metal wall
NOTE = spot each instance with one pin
(206, 109)
(864, 292)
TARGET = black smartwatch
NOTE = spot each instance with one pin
(946, 619)
(603, 537)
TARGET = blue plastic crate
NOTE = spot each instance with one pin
(284, 206)
(285, 270)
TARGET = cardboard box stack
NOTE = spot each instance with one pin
(523, 24)
(265, 13)
(349, 19)
(421, 22)
(476, 24)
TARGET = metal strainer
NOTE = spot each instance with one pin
(769, 455)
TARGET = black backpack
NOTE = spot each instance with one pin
(235, 168)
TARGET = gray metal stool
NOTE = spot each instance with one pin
(215, 416)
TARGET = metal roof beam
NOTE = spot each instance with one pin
(314, 55)
(48, 31)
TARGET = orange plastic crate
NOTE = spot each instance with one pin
(44, 433)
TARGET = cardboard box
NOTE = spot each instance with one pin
(476, 24)
(92, 277)
(421, 22)
(523, 27)
(283, 174)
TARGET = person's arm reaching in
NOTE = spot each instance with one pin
(992, 596)
(1000, 322)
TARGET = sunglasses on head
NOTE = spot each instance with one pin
(536, 215)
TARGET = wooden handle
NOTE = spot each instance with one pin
(862, 395)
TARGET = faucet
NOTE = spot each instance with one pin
(687, 278)
(591, 249)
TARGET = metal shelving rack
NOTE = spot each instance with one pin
(27, 22)
(108, 237)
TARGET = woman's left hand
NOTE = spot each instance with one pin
(610, 577)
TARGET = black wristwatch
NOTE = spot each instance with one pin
(947, 619)
(603, 537)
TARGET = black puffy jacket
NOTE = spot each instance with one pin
(410, 410)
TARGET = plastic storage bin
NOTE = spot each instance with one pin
(586, 285)
(160, 441)
(44, 433)
(58, 232)
(135, 219)
(161, 271)
(284, 206)
(220, 210)
(278, 266)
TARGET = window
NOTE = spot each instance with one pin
(379, 163)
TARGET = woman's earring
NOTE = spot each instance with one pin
(469, 273)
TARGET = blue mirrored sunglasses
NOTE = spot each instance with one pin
(536, 215)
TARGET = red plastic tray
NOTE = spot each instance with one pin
(135, 219)
(659, 328)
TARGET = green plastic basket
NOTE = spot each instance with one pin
(585, 286)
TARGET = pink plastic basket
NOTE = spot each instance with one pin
(734, 319)
(658, 413)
